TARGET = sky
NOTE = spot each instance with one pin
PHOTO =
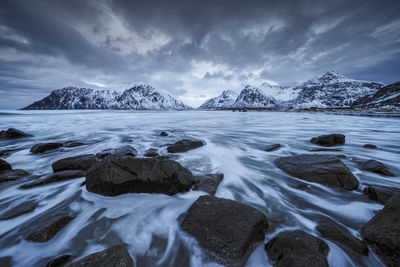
(192, 50)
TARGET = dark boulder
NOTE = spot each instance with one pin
(297, 248)
(59, 261)
(341, 236)
(382, 232)
(24, 207)
(272, 147)
(184, 145)
(376, 167)
(116, 256)
(152, 152)
(121, 151)
(44, 147)
(12, 133)
(328, 140)
(12, 175)
(380, 194)
(82, 162)
(163, 134)
(323, 169)
(228, 230)
(4, 165)
(208, 183)
(370, 146)
(115, 175)
(74, 144)
(48, 231)
(55, 177)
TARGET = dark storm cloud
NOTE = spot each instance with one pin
(191, 49)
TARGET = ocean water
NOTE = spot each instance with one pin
(148, 224)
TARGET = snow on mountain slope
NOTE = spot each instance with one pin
(252, 97)
(280, 93)
(386, 98)
(224, 100)
(140, 96)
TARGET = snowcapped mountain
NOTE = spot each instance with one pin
(386, 98)
(140, 96)
(252, 97)
(224, 100)
(280, 93)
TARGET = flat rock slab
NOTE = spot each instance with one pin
(48, 231)
(272, 147)
(23, 208)
(228, 230)
(121, 151)
(116, 256)
(12, 175)
(329, 140)
(376, 167)
(4, 165)
(55, 177)
(115, 175)
(323, 169)
(184, 145)
(44, 147)
(382, 232)
(297, 249)
(208, 183)
(12, 133)
(380, 194)
(82, 162)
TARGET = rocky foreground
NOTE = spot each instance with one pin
(226, 230)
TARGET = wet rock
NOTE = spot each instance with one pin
(55, 177)
(370, 146)
(328, 140)
(208, 183)
(121, 151)
(152, 152)
(340, 235)
(272, 147)
(376, 167)
(382, 232)
(324, 149)
(114, 256)
(4, 165)
(6, 261)
(297, 248)
(323, 169)
(44, 147)
(48, 231)
(12, 133)
(184, 145)
(163, 134)
(7, 152)
(74, 144)
(25, 207)
(380, 194)
(115, 175)
(82, 162)
(59, 261)
(228, 230)
(12, 175)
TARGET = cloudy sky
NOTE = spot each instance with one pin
(191, 49)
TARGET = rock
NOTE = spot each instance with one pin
(328, 140)
(323, 169)
(48, 231)
(325, 149)
(376, 166)
(6, 261)
(184, 145)
(382, 232)
(7, 152)
(24, 207)
(44, 147)
(152, 152)
(208, 183)
(297, 248)
(115, 175)
(370, 146)
(12, 133)
(12, 175)
(55, 177)
(82, 162)
(4, 165)
(272, 147)
(74, 144)
(163, 134)
(121, 151)
(228, 230)
(116, 256)
(59, 261)
(340, 235)
(380, 194)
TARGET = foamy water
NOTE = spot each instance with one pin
(148, 224)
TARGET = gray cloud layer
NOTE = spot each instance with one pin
(190, 49)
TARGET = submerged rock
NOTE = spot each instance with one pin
(121, 151)
(382, 232)
(370, 146)
(340, 235)
(380, 194)
(376, 167)
(323, 169)
(115, 175)
(82, 162)
(24, 207)
(208, 183)
(12, 175)
(184, 145)
(297, 248)
(48, 231)
(328, 140)
(116, 256)
(59, 261)
(55, 177)
(272, 147)
(44, 147)
(325, 149)
(163, 134)
(228, 230)
(12, 133)
(74, 144)
(152, 152)
(4, 165)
